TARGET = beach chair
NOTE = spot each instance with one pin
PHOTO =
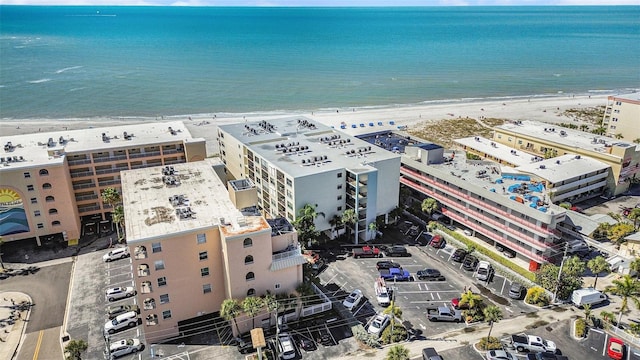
(343, 126)
(361, 124)
(379, 123)
(354, 126)
(371, 124)
(392, 122)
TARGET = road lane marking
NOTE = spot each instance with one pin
(38, 343)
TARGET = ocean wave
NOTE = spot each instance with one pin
(76, 89)
(39, 81)
(67, 69)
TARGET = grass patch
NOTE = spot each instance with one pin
(537, 324)
(532, 315)
(591, 115)
(468, 329)
(442, 132)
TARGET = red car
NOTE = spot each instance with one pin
(455, 302)
(615, 348)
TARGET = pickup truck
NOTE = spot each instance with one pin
(397, 274)
(366, 252)
(532, 343)
(443, 313)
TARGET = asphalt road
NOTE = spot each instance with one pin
(48, 289)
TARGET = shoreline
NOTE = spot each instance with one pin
(548, 109)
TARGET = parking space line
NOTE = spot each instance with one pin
(507, 308)
(433, 291)
(432, 298)
(439, 298)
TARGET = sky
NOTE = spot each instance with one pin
(336, 3)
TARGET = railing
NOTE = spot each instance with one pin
(286, 254)
(144, 154)
(83, 186)
(171, 151)
(79, 162)
(326, 305)
(108, 182)
(81, 174)
(109, 171)
(88, 208)
(625, 335)
(86, 197)
(109, 158)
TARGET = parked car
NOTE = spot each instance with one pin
(115, 254)
(430, 274)
(545, 356)
(113, 311)
(117, 293)
(470, 262)
(459, 255)
(396, 250)
(517, 291)
(124, 347)
(437, 242)
(378, 324)
(484, 271)
(499, 355)
(123, 321)
(425, 239)
(353, 299)
(588, 296)
(387, 264)
(455, 302)
(430, 354)
(307, 344)
(615, 348)
(285, 346)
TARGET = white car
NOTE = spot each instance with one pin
(285, 346)
(484, 271)
(378, 324)
(125, 320)
(353, 299)
(124, 347)
(115, 254)
(120, 292)
(499, 355)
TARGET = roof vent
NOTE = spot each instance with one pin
(543, 166)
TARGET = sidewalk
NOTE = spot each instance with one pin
(15, 308)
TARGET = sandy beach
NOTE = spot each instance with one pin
(545, 109)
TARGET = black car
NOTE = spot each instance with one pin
(459, 255)
(307, 344)
(425, 239)
(430, 274)
(546, 356)
(470, 262)
(386, 264)
(396, 250)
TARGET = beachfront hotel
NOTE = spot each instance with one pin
(568, 178)
(295, 161)
(192, 248)
(538, 139)
(500, 205)
(622, 116)
(51, 183)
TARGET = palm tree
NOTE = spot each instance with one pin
(627, 288)
(614, 216)
(373, 227)
(429, 206)
(270, 303)
(470, 299)
(634, 215)
(335, 222)
(349, 219)
(598, 265)
(492, 314)
(117, 217)
(252, 305)
(636, 141)
(587, 312)
(305, 223)
(584, 127)
(618, 136)
(607, 316)
(230, 310)
(600, 130)
(111, 197)
(395, 213)
(635, 266)
(397, 352)
(75, 348)
(602, 231)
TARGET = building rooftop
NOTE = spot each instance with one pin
(563, 136)
(632, 97)
(395, 142)
(40, 149)
(585, 224)
(562, 168)
(498, 150)
(168, 200)
(300, 146)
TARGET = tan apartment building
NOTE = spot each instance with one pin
(296, 161)
(192, 248)
(51, 183)
(538, 139)
(622, 116)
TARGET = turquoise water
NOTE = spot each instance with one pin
(150, 61)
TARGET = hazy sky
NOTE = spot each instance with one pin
(320, 2)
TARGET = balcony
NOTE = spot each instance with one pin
(145, 287)
(109, 158)
(88, 208)
(149, 304)
(108, 183)
(287, 259)
(143, 270)
(81, 174)
(144, 154)
(86, 197)
(172, 151)
(79, 162)
(83, 186)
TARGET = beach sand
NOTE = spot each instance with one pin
(545, 109)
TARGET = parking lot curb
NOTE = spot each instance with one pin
(64, 334)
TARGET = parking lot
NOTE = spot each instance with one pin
(88, 306)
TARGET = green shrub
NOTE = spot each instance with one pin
(364, 337)
(492, 344)
(537, 296)
(634, 329)
(399, 333)
(581, 327)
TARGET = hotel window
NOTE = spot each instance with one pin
(55, 223)
(203, 255)
(27, 175)
(164, 298)
(204, 271)
(339, 186)
(289, 182)
(36, 213)
(250, 276)
(339, 175)
(509, 139)
(53, 211)
(206, 288)
(339, 197)
(29, 187)
(156, 247)
(50, 199)
(34, 200)
(162, 281)
(248, 260)
(46, 186)
(44, 172)
(251, 292)
(613, 127)
(40, 226)
(277, 286)
(159, 264)
(201, 238)
(247, 242)
(166, 314)
(339, 208)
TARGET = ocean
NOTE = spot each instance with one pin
(87, 61)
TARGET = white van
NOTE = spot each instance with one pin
(588, 296)
(115, 254)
